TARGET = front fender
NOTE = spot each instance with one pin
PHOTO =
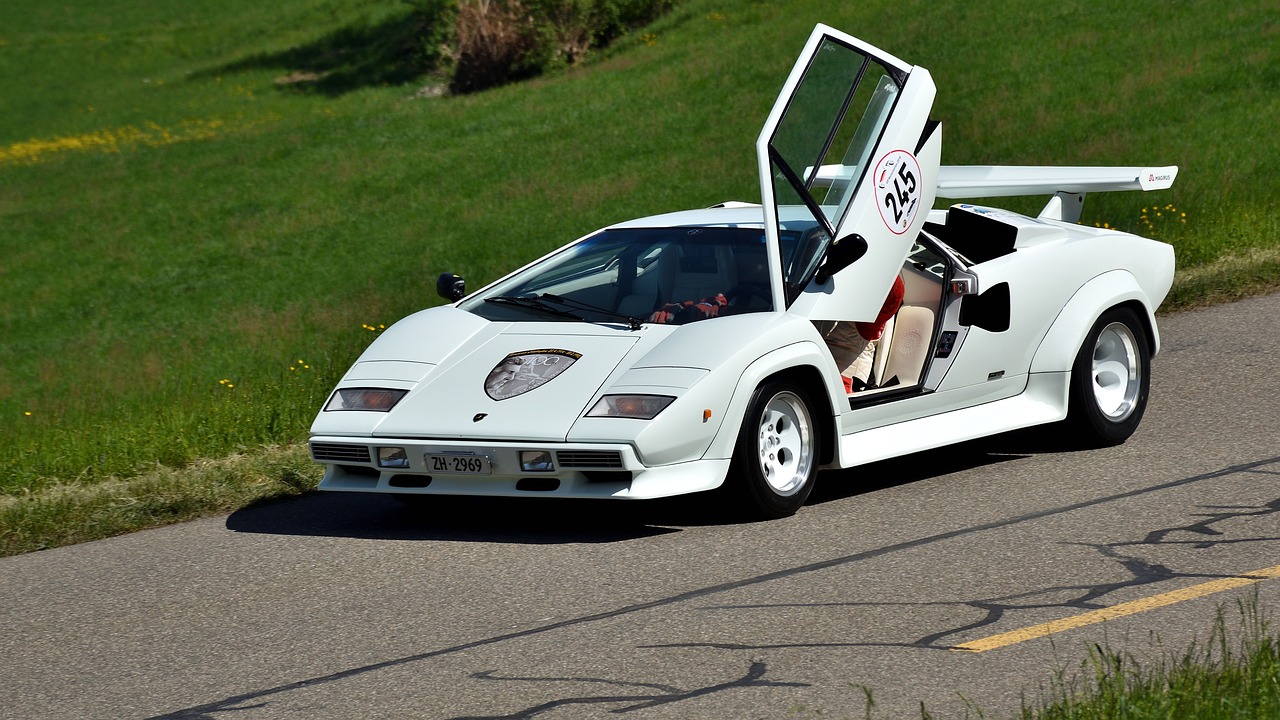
(712, 367)
(804, 354)
(1057, 351)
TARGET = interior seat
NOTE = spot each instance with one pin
(909, 348)
(883, 348)
(699, 271)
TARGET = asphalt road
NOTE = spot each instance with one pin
(334, 606)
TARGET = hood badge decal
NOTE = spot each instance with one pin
(520, 372)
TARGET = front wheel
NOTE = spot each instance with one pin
(776, 459)
(1110, 380)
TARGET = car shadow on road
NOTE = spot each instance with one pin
(535, 521)
(861, 479)
(543, 521)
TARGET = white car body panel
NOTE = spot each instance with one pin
(1112, 288)
(527, 364)
(1042, 401)
(457, 390)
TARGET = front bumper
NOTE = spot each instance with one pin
(580, 470)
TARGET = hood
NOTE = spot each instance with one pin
(502, 381)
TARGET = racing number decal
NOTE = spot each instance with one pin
(898, 190)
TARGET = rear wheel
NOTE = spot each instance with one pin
(1110, 380)
(776, 458)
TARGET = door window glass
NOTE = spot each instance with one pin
(823, 144)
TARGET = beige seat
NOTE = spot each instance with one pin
(883, 346)
(683, 273)
(909, 348)
(643, 297)
(699, 272)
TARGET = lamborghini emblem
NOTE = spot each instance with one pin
(520, 372)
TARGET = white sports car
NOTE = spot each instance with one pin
(682, 352)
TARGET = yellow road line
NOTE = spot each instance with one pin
(1129, 608)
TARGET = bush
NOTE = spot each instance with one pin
(616, 17)
(567, 28)
(495, 42)
(433, 24)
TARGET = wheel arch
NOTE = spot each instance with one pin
(1117, 288)
(801, 364)
(1106, 412)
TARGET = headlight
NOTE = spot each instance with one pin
(369, 399)
(640, 407)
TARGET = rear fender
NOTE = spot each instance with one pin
(1057, 352)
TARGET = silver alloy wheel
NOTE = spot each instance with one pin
(786, 443)
(1117, 372)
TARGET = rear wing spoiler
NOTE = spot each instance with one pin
(974, 181)
(1067, 185)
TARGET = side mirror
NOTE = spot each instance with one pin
(451, 287)
(841, 254)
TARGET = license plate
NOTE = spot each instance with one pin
(452, 464)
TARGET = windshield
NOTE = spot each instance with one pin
(668, 275)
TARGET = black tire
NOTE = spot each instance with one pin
(775, 461)
(1110, 380)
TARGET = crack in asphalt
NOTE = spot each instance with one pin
(1142, 572)
(492, 675)
(995, 608)
(754, 677)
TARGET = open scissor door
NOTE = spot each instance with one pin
(848, 149)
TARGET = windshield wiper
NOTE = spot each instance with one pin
(632, 322)
(533, 303)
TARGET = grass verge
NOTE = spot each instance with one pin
(69, 513)
(1255, 271)
(1234, 675)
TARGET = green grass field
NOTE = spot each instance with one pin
(208, 209)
